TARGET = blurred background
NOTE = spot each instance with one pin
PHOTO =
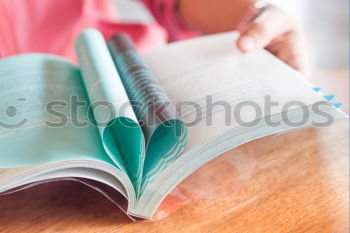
(327, 27)
(326, 24)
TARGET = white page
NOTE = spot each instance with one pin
(6, 173)
(213, 66)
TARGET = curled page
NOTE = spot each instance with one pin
(120, 133)
(165, 133)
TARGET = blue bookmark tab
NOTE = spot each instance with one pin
(329, 97)
(317, 89)
(337, 105)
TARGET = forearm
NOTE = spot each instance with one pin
(212, 16)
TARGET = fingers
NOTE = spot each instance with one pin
(279, 34)
(269, 25)
(291, 48)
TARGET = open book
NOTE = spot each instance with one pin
(137, 125)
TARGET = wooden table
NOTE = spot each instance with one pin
(296, 182)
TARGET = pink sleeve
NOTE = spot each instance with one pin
(165, 12)
(52, 26)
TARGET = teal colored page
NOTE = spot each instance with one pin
(38, 121)
(165, 133)
(119, 130)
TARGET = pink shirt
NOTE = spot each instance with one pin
(51, 26)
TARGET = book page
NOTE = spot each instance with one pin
(227, 99)
(6, 173)
(118, 127)
(165, 135)
(216, 88)
(40, 121)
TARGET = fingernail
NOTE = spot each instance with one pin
(248, 43)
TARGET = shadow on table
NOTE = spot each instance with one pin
(58, 201)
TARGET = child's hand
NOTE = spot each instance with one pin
(279, 34)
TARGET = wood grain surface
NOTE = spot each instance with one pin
(295, 182)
